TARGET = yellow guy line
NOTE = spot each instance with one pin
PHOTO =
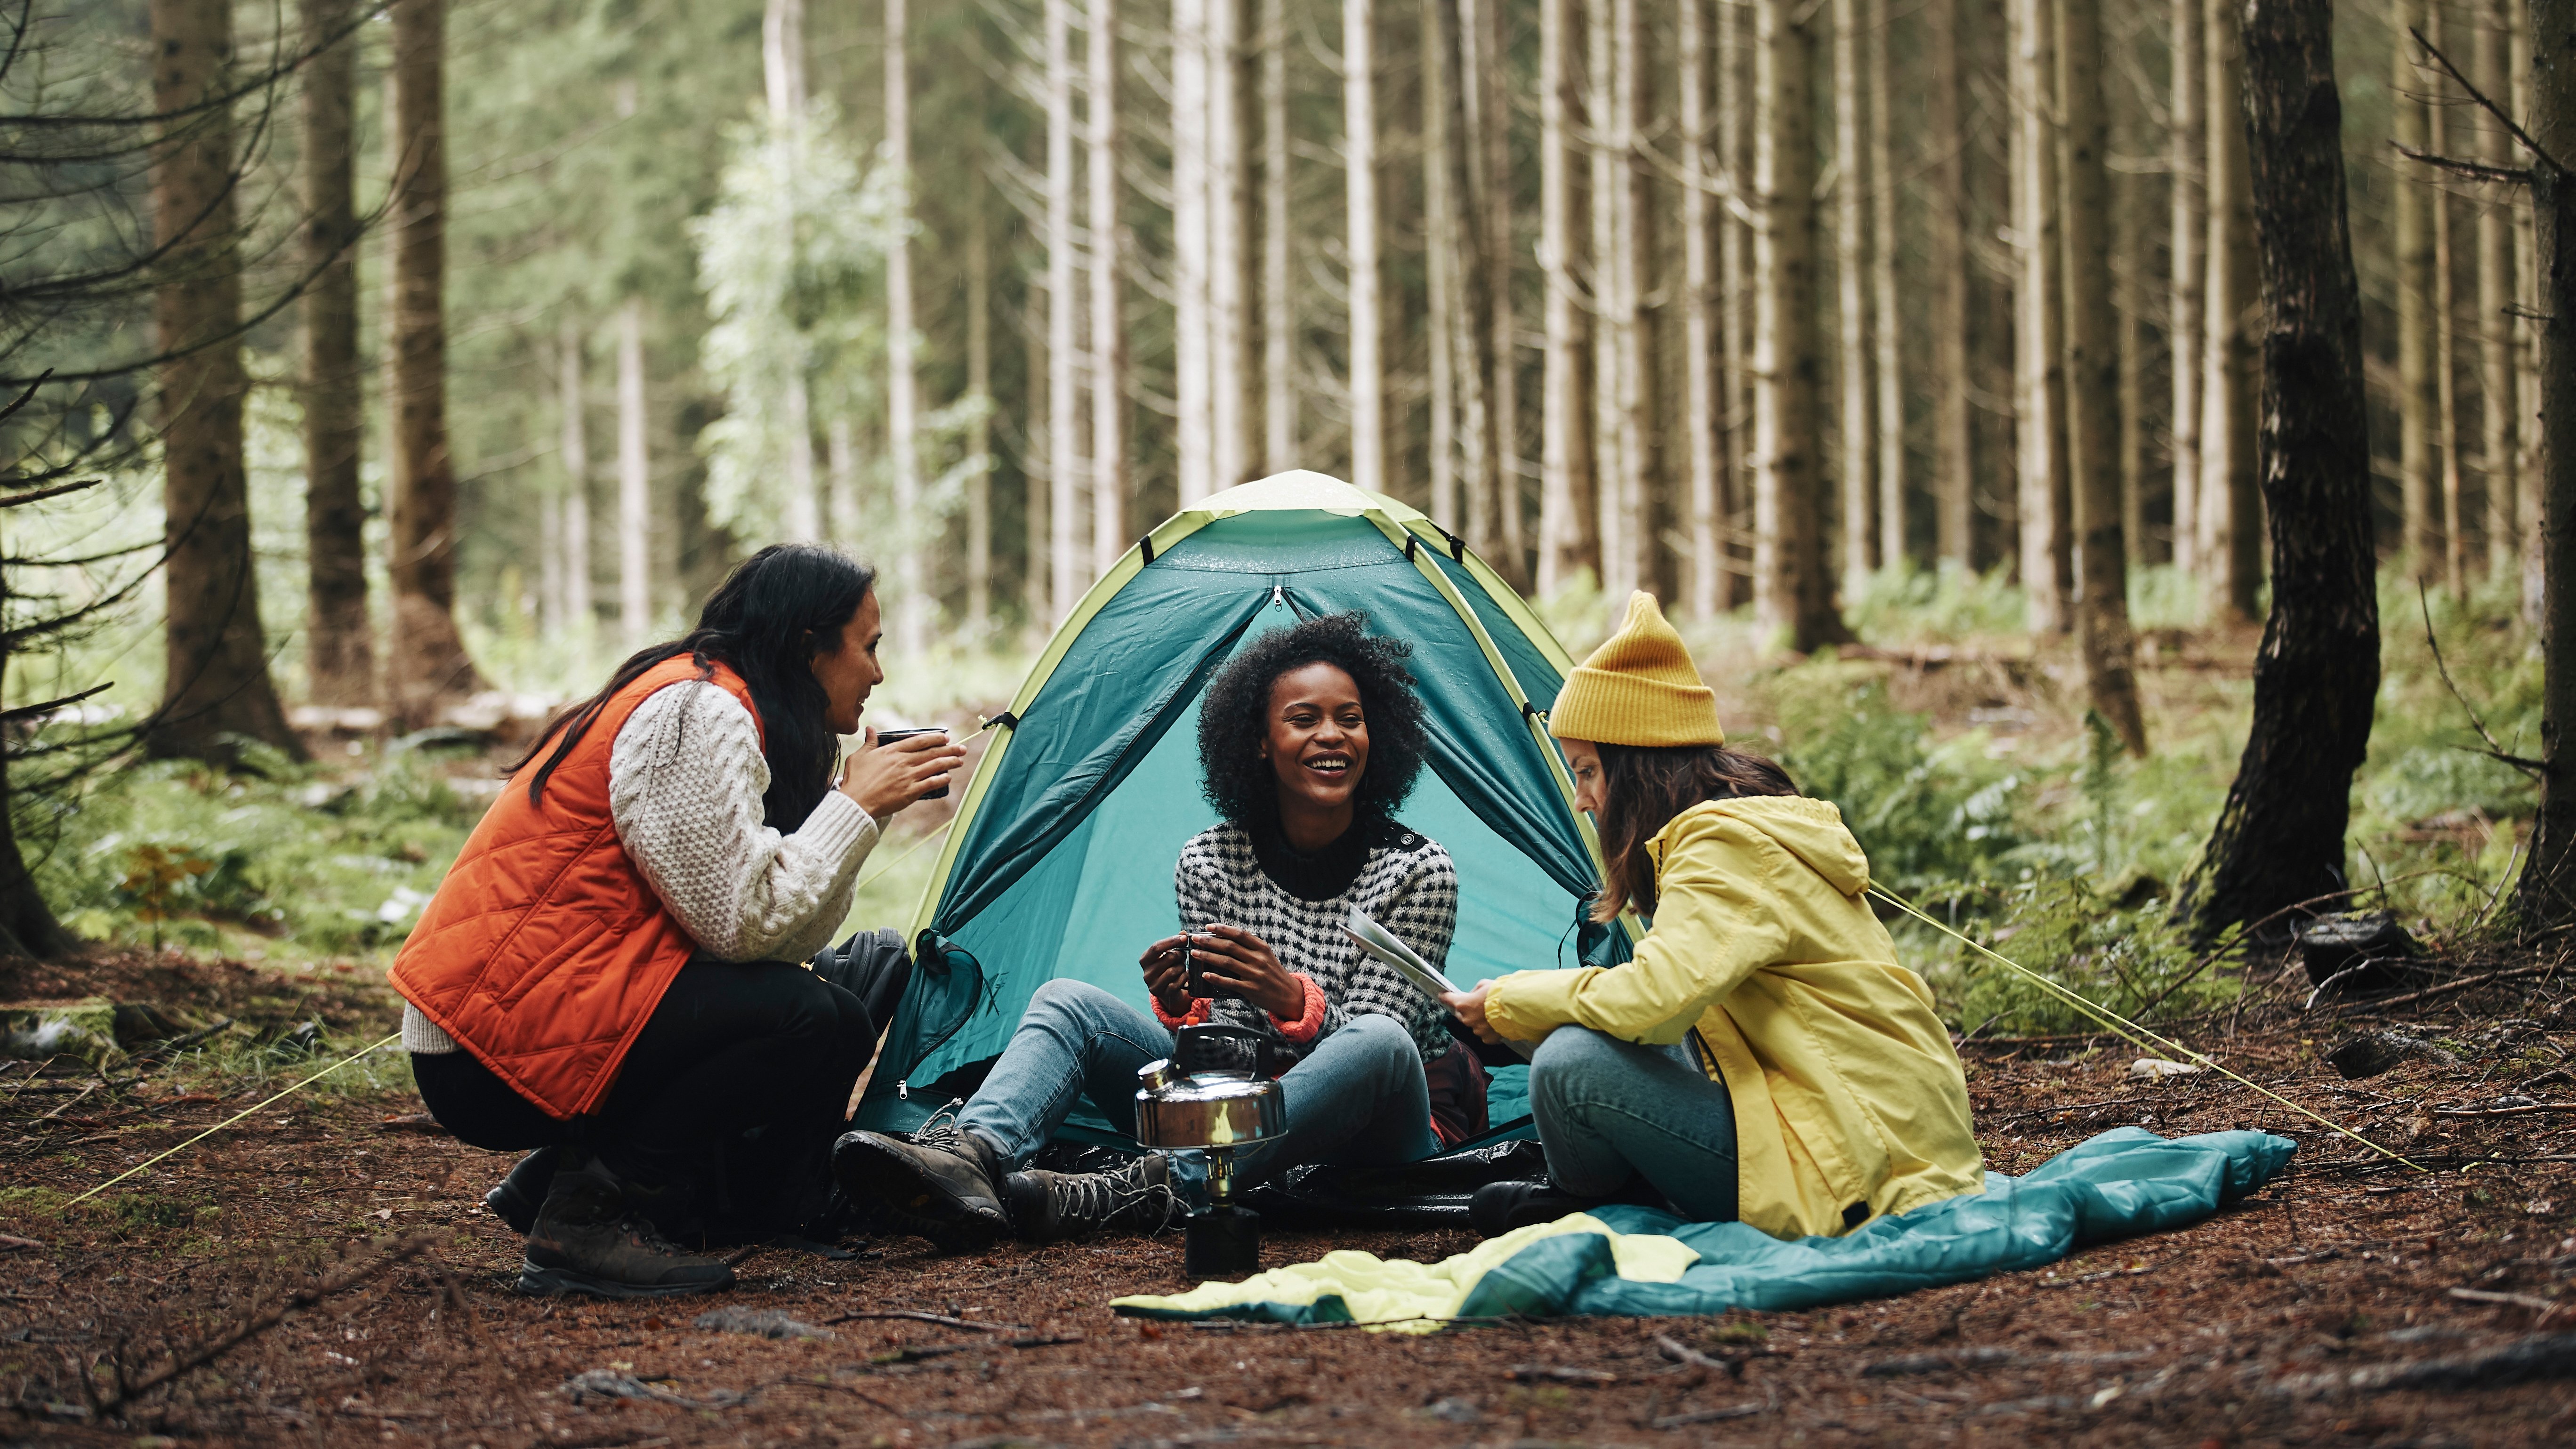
(2137, 1035)
(228, 1121)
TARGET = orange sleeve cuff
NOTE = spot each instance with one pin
(1196, 1016)
(1308, 1022)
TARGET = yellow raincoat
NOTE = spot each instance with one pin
(1846, 1088)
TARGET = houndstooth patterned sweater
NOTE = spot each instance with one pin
(1406, 884)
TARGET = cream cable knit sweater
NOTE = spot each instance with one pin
(685, 777)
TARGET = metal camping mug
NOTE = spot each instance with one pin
(887, 737)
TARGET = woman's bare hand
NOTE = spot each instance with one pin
(1469, 1007)
(1236, 959)
(1167, 974)
(884, 779)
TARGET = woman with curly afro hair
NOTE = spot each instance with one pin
(1310, 740)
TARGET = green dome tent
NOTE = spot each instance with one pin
(1059, 862)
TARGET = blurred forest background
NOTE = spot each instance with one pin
(384, 371)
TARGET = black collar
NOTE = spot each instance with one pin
(1326, 873)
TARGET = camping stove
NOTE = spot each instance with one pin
(1214, 1093)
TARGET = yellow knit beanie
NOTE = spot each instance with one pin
(1638, 688)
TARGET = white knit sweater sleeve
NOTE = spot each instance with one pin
(685, 778)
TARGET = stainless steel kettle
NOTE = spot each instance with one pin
(1214, 1094)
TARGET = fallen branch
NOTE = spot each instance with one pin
(189, 1360)
(1590, 1378)
(1967, 1358)
(2504, 1111)
(2538, 1357)
(1680, 1352)
(941, 1319)
(1709, 1416)
(2463, 984)
(2541, 1306)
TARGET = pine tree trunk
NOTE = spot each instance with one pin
(573, 534)
(1794, 592)
(340, 662)
(1037, 572)
(782, 54)
(1884, 309)
(1569, 530)
(2446, 315)
(917, 592)
(1700, 354)
(979, 435)
(1440, 260)
(2279, 841)
(1067, 547)
(2498, 387)
(2190, 273)
(1471, 274)
(1632, 94)
(782, 58)
(2530, 504)
(1109, 484)
(2129, 306)
(1945, 232)
(2231, 508)
(1359, 183)
(2547, 894)
(2418, 405)
(2102, 632)
(634, 482)
(1278, 301)
(1488, 158)
(1853, 356)
(1606, 155)
(1229, 411)
(427, 667)
(28, 926)
(1734, 100)
(2044, 479)
(1194, 336)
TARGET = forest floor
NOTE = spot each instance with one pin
(2351, 1302)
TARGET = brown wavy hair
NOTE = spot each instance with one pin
(1643, 788)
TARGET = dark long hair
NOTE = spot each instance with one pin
(1643, 788)
(1234, 716)
(765, 622)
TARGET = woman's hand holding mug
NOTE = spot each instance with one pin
(884, 779)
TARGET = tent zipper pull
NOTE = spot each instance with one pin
(1279, 593)
(903, 1090)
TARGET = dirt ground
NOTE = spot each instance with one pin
(2354, 1302)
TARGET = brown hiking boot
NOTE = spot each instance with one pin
(1049, 1207)
(588, 1239)
(940, 1181)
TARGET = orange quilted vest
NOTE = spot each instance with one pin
(545, 949)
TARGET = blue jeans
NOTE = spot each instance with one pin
(1608, 1109)
(1358, 1097)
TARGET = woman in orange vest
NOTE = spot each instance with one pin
(606, 974)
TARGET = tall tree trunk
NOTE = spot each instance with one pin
(1440, 261)
(1607, 148)
(1359, 190)
(1108, 309)
(1488, 158)
(1853, 356)
(573, 533)
(1471, 273)
(1946, 241)
(2231, 513)
(2279, 839)
(2190, 273)
(782, 55)
(2038, 310)
(1278, 300)
(1890, 353)
(1037, 574)
(1795, 595)
(1632, 94)
(634, 482)
(2498, 386)
(340, 655)
(2102, 632)
(1229, 411)
(2418, 405)
(28, 926)
(1569, 528)
(1067, 548)
(1194, 338)
(1734, 99)
(2531, 504)
(782, 59)
(917, 593)
(979, 435)
(2129, 306)
(2446, 317)
(217, 684)
(428, 666)
(2547, 895)
(1700, 357)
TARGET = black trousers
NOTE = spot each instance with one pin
(725, 1108)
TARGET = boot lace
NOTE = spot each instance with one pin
(940, 1131)
(1125, 1197)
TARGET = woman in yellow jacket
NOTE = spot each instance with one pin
(1764, 1057)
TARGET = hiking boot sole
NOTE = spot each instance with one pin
(539, 1282)
(916, 1203)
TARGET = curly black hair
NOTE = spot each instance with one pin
(1235, 715)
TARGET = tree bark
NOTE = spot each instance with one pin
(1607, 122)
(979, 436)
(634, 482)
(428, 666)
(1488, 159)
(2230, 507)
(1795, 593)
(2102, 633)
(916, 593)
(2547, 894)
(573, 533)
(2499, 389)
(1229, 410)
(1700, 355)
(1632, 95)
(1278, 301)
(1037, 574)
(2279, 840)
(1109, 481)
(1471, 272)
(28, 926)
(339, 654)
(1440, 263)
(2190, 273)
(1734, 99)
(1884, 311)
(1853, 356)
(2418, 406)
(2529, 503)
(782, 55)
(2129, 232)
(2446, 316)
(2047, 562)
(1067, 548)
(1569, 529)
(1194, 337)
(1359, 190)
(1945, 232)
